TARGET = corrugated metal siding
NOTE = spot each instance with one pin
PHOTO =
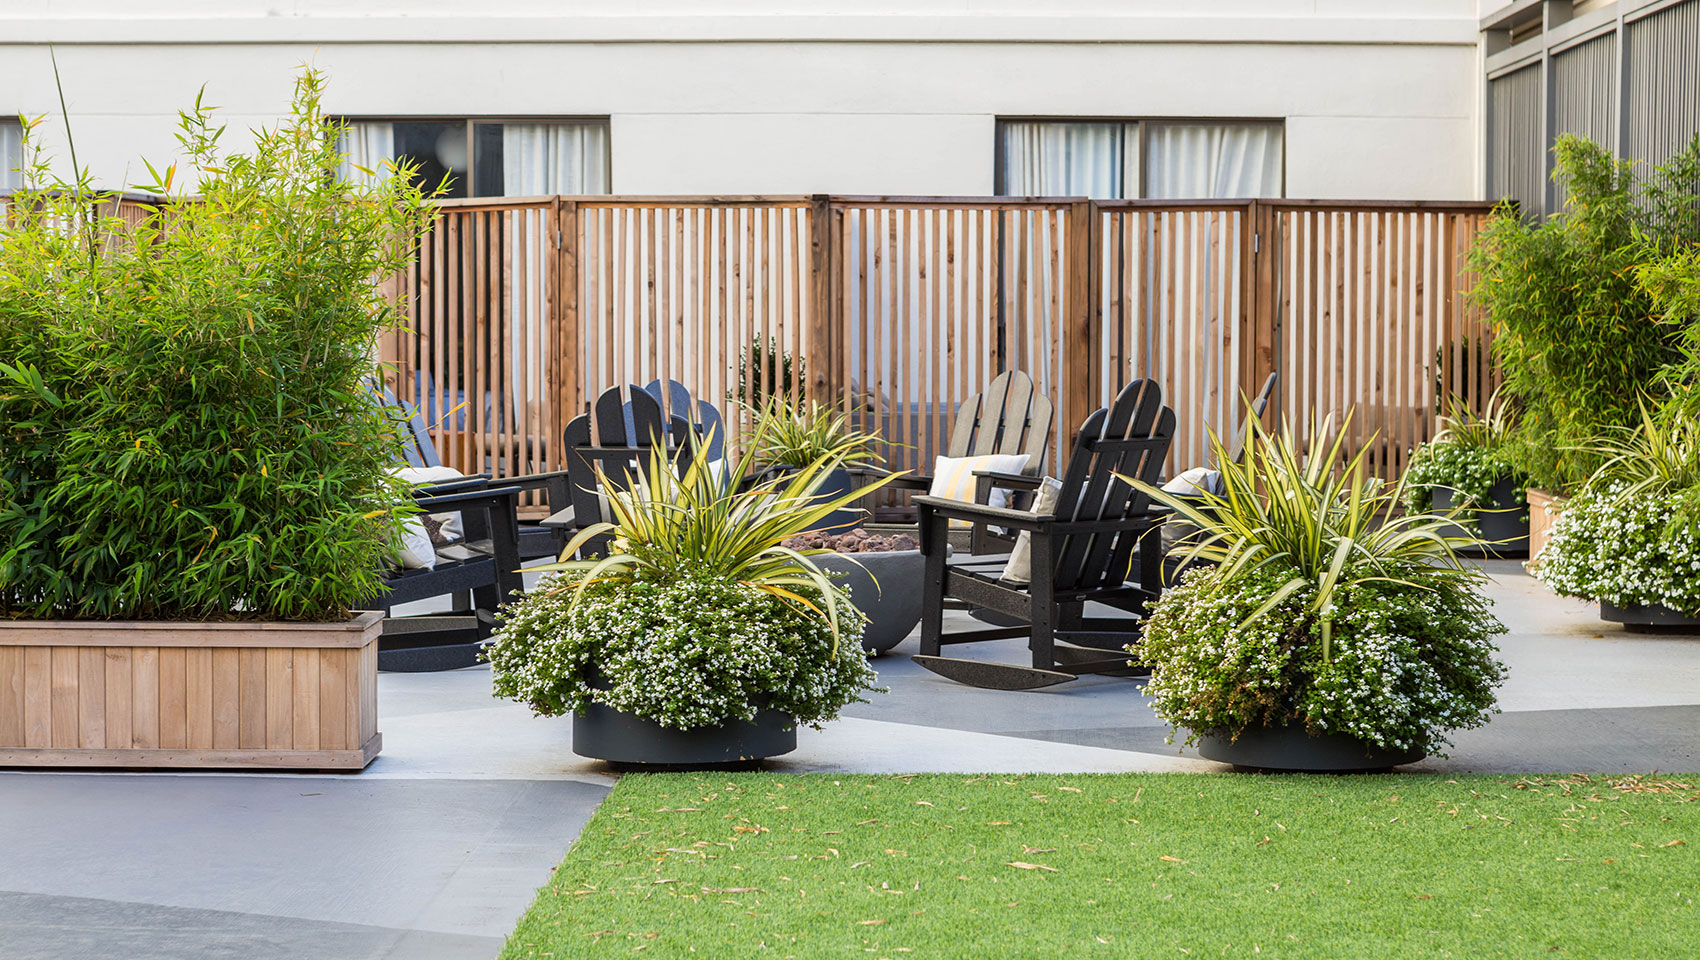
(1517, 156)
(1585, 94)
(1662, 60)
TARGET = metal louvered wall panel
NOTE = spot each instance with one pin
(1662, 61)
(1585, 94)
(1517, 158)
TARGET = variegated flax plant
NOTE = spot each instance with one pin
(1317, 520)
(700, 520)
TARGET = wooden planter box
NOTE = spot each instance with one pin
(1544, 509)
(85, 693)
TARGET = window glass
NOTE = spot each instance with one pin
(11, 154)
(485, 159)
(1109, 160)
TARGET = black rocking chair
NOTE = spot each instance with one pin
(1081, 553)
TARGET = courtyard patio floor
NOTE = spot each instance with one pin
(435, 850)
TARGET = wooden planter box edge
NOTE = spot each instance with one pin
(161, 694)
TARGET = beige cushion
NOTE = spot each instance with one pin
(416, 550)
(953, 477)
(1019, 569)
(445, 528)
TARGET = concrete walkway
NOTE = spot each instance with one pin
(435, 850)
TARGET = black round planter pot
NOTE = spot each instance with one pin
(893, 606)
(1505, 525)
(1649, 618)
(604, 733)
(1293, 749)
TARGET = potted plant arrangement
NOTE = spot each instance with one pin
(194, 483)
(1318, 631)
(700, 639)
(1577, 333)
(1466, 472)
(1630, 540)
(792, 436)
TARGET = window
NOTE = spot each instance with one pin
(11, 154)
(1122, 159)
(486, 158)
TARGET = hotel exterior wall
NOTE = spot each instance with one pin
(1380, 100)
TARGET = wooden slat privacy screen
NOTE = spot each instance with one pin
(522, 309)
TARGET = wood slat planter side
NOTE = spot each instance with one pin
(1544, 509)
(138, 694)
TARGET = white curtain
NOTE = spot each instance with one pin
(540, 159)
(11, 155)
(1043, 158)
(366, 145)
(1213, 160)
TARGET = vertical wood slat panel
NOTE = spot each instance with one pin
(200, 702)
(173, 698)
(120, 689)
(250, 700)
(38, 697)
(64, 696)
(304, 701)
(91, 697)
(11, 696)
(144, 698)
(279, 697)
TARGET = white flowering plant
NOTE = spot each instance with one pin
(697, 613)
(685, 652)
(1313, 605)
(1405, 664)
(1631, 537)
(1470, 455)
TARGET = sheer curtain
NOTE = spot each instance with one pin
(554, 158)
(1045, 158)
(1213, 160)
(366, 145)
(11, 155)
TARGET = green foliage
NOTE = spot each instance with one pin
(1405, 664)
(1673, 283)
(1327, 527)
(1626, 549)
(768, 372)
(184, 426)
(688, 651)
(702, 521)
(1577, 338)
(1142, 865)
(798, 435)
(1320, 608)
(1657, 457)
(1468, 455)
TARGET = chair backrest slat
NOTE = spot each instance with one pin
(701, 416)
(1131, 437)
(623, 450)
(1009, 417)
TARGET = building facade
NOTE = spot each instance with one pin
(1161, 98)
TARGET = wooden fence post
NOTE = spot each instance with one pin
(1262, 305)
(1082, 386)
(825, 319)
(567, 360)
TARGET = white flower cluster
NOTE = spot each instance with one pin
(1404, 664)
(688, 653)
(1470, 470)
(1635, 549)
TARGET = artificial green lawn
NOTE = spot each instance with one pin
(1136, 865)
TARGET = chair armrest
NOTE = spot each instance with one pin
(1018, 481)
(962, 510)
(532, 481)
(488, 495)
(439, 488)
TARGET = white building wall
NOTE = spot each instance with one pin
(1380, 97)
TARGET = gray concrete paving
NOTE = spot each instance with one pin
(436, 849)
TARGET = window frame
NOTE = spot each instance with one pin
(1144, 125)
(471, 123)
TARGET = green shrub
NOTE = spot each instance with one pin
(688, 651)
(1317, 608)
(796, 435)
(1576, 336)
(185, 432)
(1468, 455)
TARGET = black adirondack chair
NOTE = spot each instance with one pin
(1082, 553)
(608, 449)
(1009, 417)
(704, 417)
(484, 565)
(535, 540)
